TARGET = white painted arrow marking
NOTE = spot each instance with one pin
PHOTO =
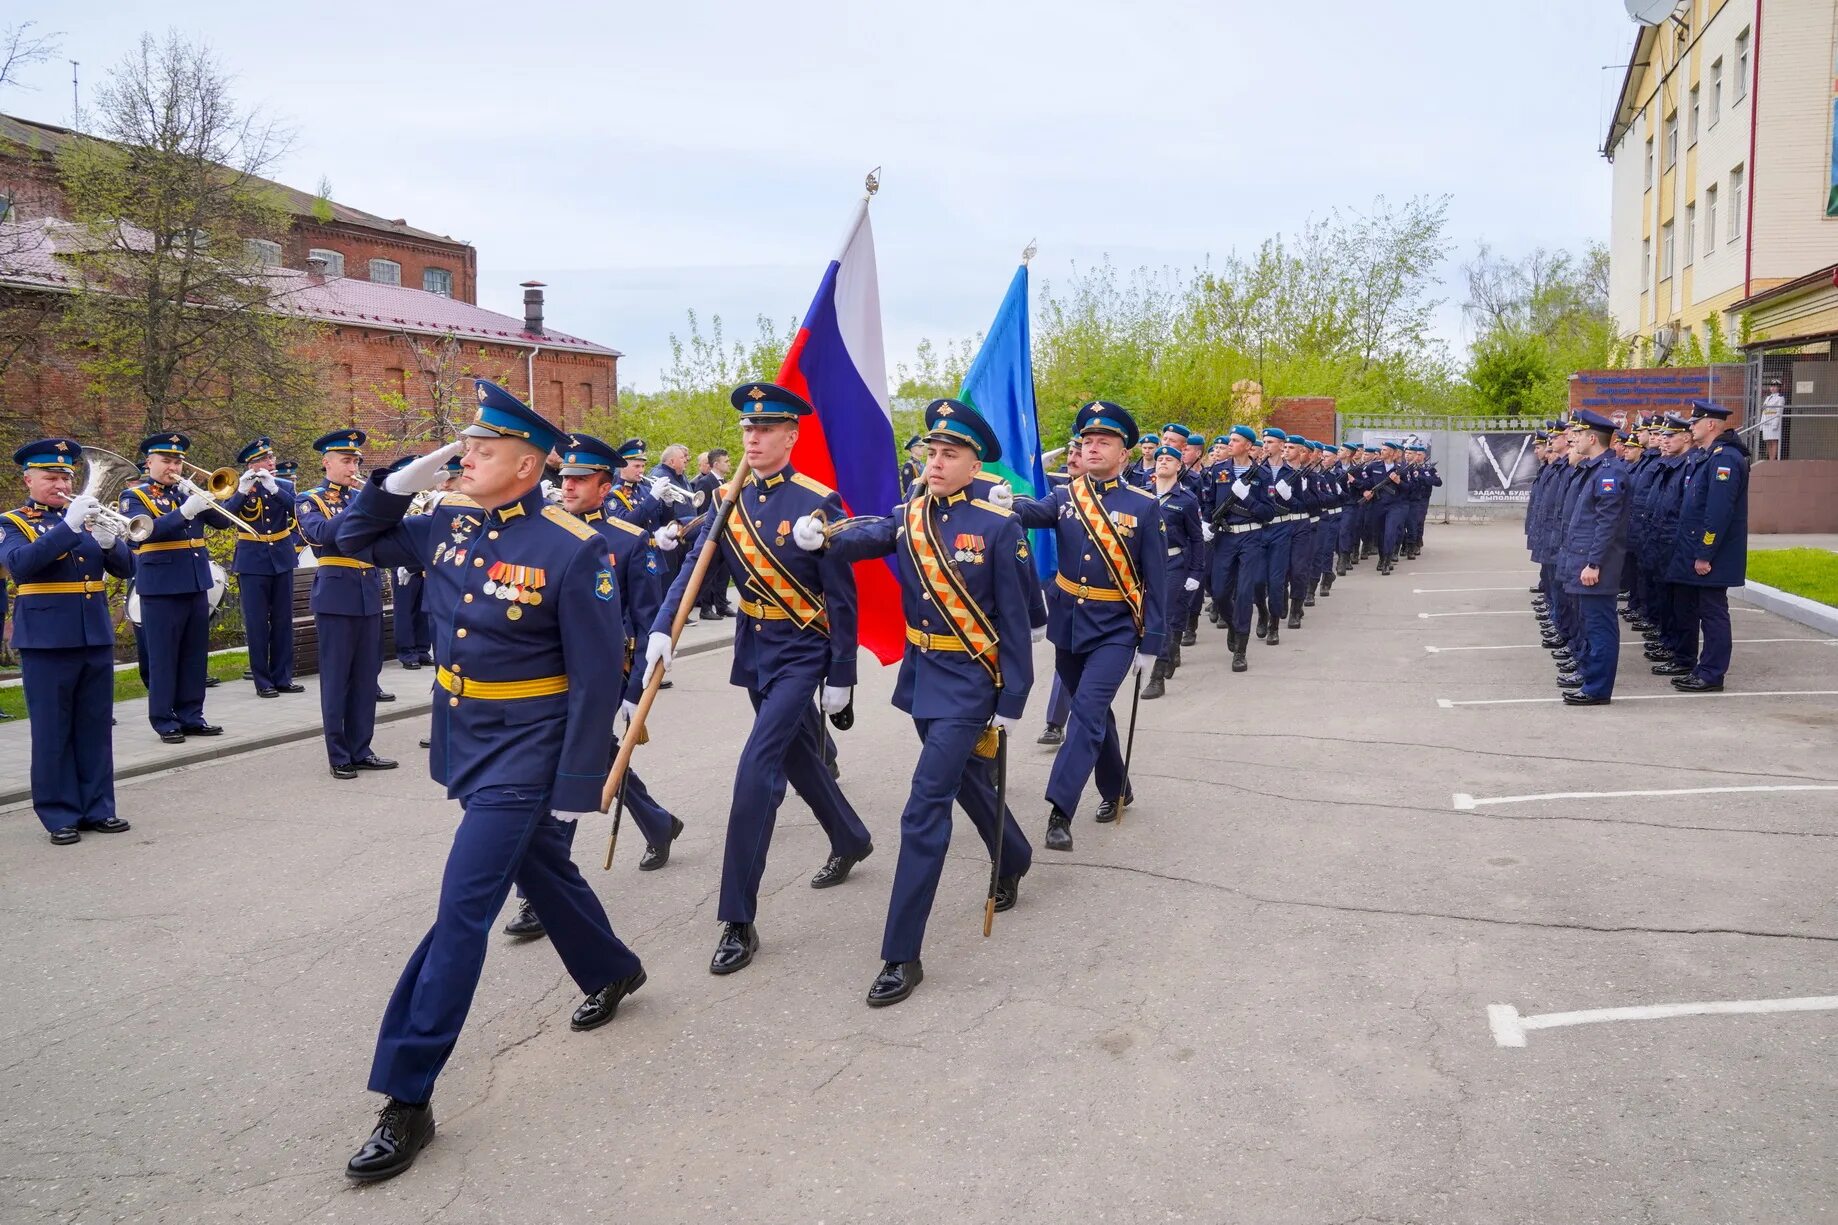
(1509, 1028)
(1463, 802)
(1447, 704)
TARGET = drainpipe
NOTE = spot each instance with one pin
(1748, 224)
(529, 372)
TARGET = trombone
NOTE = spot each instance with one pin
(219, 483)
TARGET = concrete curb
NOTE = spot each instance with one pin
(387, 712)
(1810, 613)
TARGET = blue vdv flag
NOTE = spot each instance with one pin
(1000, 385)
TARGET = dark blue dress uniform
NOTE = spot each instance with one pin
(1092, 623)
(65, 642)
(1238, 543)
(1180, 511)
(780, 661)
(264, 565)
(1287, 510)
(1595, 535)
(632, 500)
(1350, 507)
(1427, 481)
(526, 611)
(172, 575)
(1713, 529)
(347, 605)
(966, 551)
(1331, 501)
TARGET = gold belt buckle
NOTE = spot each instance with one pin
(457, 684)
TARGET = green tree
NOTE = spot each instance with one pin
(692, 407)
(1537, 319)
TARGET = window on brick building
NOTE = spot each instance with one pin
(264, 252)
(1736, 204)
(1739, 84)
(437, 280)
(385, 272)
(1691, 233)
(587, 397)
(334, 260)
(1665, 251)
(1716, 91)
(1710, 219)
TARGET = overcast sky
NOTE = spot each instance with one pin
(646, 159)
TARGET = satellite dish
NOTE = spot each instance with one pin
(1650, 12)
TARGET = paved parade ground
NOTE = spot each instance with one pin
(1286, 988)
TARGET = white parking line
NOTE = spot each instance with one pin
(1463, 802)
(1452, 590)
(1521, 570)
(1511, 612)
(1447, 704)
(1509, 1028)
(1626, 645)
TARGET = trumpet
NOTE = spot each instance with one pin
(108, 475)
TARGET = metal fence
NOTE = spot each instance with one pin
(1805, 424)
(1486, 463)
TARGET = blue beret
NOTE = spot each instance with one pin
(1270, 431)
(584, 455)
(49, 455)
(1221, 440)
(1705, 408)
(1297, 439)
(1104, 417)
(1196, 440)
(165, 444)
(1592, 421)
(503, 415)
(768, 402)
(958, 424)
(1371, 448)
(340, 440)
(1245, 432)
(1176, 426)
(1173, 452)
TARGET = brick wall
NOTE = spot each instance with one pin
(1661, 389)
(359, 246)
(1313, 417)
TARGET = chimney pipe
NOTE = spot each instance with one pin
(532, 307)
(315, 268)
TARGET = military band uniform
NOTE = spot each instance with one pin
(172, 576)
(264, 565)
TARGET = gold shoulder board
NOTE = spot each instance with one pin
(1004, 511)
(811, 483)
(555, 514)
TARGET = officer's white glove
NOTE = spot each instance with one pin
(1192, 584)
(401, 574)
(1004, 723)
(658, 653)
(1206, 531)
(567, 818)
(104, 536)
(668, 537)
(196, 504)
(268, 481)
(834, 698)
(551, 492)
(1038, 634)
(1001, 495)
(1142, 663)
(807, 533)
(421, 475)
(622, 721)
(668, 492)
(1283, 490)
(246, 481)
(78, 509)
(1241, 489)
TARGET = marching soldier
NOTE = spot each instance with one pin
(527, 607)
(172, 575)
(1351, 509)
(713, 598)
(1297, 452)
(966, 671)
(1590, 558)
(1711, 550)
(1180, 512)
(347, 604)
(1107, 614)
(264, 565)
(1272, 594)
(794, 641)
(57, 559)
(1241, 508)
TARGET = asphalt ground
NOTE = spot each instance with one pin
(1263, 997)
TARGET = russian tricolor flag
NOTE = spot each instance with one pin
(838, 364)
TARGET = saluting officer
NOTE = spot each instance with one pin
(264, 565)
(1186, 558)
(65, 641)
(966, 671)
(1711, 550)
(526, 608)
(1107, 611)
(172, 574)
(1241, 507)
(794, 638)
(347, 604)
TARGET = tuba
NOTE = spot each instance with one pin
(109, 475)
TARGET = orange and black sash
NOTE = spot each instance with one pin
(1111, 548)
(804, 608)
(969, 623)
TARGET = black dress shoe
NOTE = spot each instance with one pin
(525, 923)
(412, 665)
(267, 693)
(895, 982)
(248, 674)
(1107, 809)
(402, 1131)
(114, 825)
(656, 857)
(1696, 684)
(734, 951)
(1059, 831)
(1576, 697)
(211, 682)
(290, 687)
(385, 697)
(1054, 734)
(200, 729)
(1568, 680)
(1008, 892)
(344, 771)
(65, 836)
(1671, 668)
(172, 737)
(1563, 659)
(1189, 637)
(1657, 655)
(427, 742)
(1551, 642)
(598, 1008)
(373, 762)
(835, 869)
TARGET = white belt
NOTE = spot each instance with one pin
(1236, 528)
(1333, 510)
(1289, 518)
(1175, 551)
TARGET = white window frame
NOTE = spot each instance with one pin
(1671, 134)
(1740, 82)
(1646, 264)
(1716, 91)
(1691, 234)
(265, 251)
(444, 274)
(1691, 128)
(1710, 219)
(393, 272)
(334, 260)
(1666, 253)
(1735, 208)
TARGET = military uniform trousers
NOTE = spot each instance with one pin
(176, 633)
(1396, 515)
(1272, 592)
(268, 623)
(414, 627)
(1238, 566)
(1703, 630)
(1350, 518)
(947, 771)
(651, 817)
(1301, 559)
(784, 748)
(1419, 516)
(350, 656)
(69, 696)
(1059, 704)
(1327, 541)
(1600, 640)
(1175, 600)
(1091, 746)
(506, 835)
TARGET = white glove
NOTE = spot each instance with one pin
(78, 509)
(1282, 489)
(1206, 531)
(421, 475)
(1001, 495)
(668, 492)
(668, 537)
(834, 698)
(1241, 489)
(1004, 723)
(268, 481)
(658, 653)
(1192, 584)
(551, 492)
(807, 533)
(401, 574)
(246, 481)
(567, 818)
(195, 505)
(1038, 634)
(1142, 663)
(104, 536)
(622, 721)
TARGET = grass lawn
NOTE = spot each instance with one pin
(1812, 573)
(127, 683)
